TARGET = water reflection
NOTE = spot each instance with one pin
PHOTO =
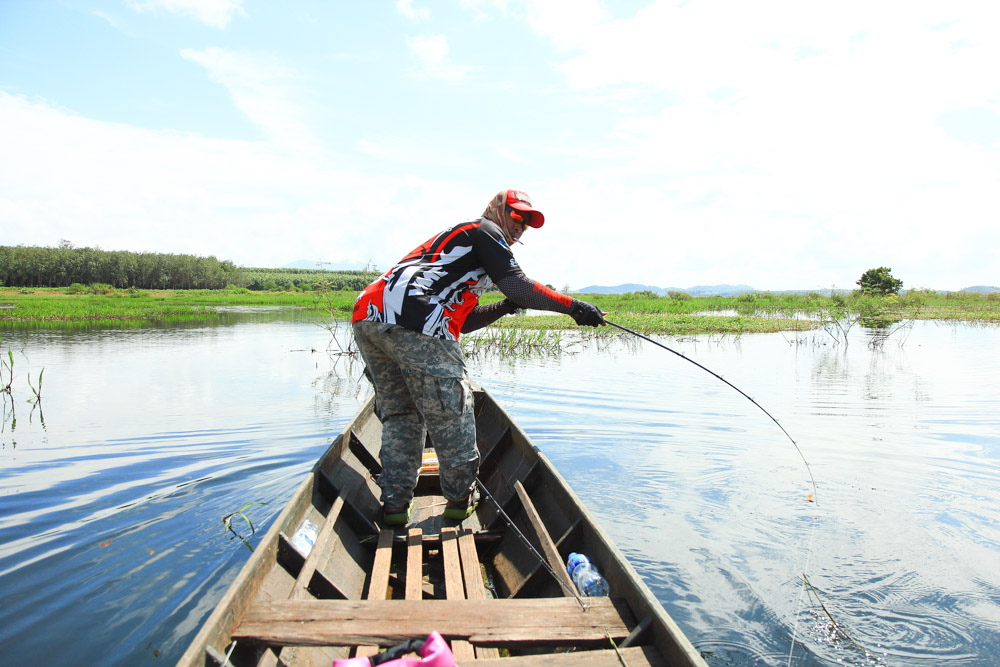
(111, 513)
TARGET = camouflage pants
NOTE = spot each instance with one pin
(421, 387)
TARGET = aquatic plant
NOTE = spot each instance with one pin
(884, 315)
(36, 391)
(9, 367)
(511, 342)
(7, 389)
(338, 348)
(228, 522)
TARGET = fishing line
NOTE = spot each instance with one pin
(743, 393)
(815, 494)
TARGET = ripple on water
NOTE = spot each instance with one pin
(111, 533)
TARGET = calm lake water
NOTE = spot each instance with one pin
(112, 496)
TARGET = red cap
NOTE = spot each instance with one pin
(522, 202)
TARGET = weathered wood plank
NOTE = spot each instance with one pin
(218, 657)
(644, 656)
(432, 542)
(545, 541)
(473, 576)
(471, 572)
(542, 621)
(454, 587)
(300, 591)
(637, 631)
(292, 561)
(366, 458)
(378, 587)
(414, 565)
(522, 583)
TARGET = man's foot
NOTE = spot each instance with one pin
(459, 510)
(393, 515)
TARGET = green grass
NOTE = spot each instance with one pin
(104, 305)
(643, 312)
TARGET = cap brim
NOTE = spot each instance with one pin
(536, 219)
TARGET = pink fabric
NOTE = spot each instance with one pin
(435, 653)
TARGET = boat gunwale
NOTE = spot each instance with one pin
(239, 596)
(217, 629)
(670, 639)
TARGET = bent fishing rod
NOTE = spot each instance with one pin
(743, 393)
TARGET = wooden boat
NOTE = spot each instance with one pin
(494, 586)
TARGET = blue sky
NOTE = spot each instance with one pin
(779, 144)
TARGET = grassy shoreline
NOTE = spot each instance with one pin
(646, 312)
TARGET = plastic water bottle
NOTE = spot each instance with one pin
(305, 537)
(588, 580)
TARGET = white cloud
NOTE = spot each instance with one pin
(568, 23)
(216, 13)
(734, 142)
(406, 8)
(112, 20)
(784, 49)
(261, 89)
(398, 151)
(111, 185)
(432, 52)
(787, 136)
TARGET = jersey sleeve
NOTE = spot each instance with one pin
(528, 293)
(493, 252)
(503, 269)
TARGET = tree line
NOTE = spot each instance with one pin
(304, 279)
(32, 266)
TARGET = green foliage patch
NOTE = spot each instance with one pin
(880, 281)
(757, 312)
(83, 269)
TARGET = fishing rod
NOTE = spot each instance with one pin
(743, 393)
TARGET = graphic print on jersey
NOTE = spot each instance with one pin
(433, 289)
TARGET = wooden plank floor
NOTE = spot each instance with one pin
(475, 588)
(540, 621)
(378, 588)
(474, 624)
(642, 656)
(455, 587)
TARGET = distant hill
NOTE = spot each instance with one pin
(982, 289)
(697, 290)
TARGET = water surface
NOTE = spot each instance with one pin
(112, 499)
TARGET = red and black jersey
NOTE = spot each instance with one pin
(433, 289)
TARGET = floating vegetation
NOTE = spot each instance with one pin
(228, 522)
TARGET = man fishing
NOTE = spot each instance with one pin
(407, 324)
